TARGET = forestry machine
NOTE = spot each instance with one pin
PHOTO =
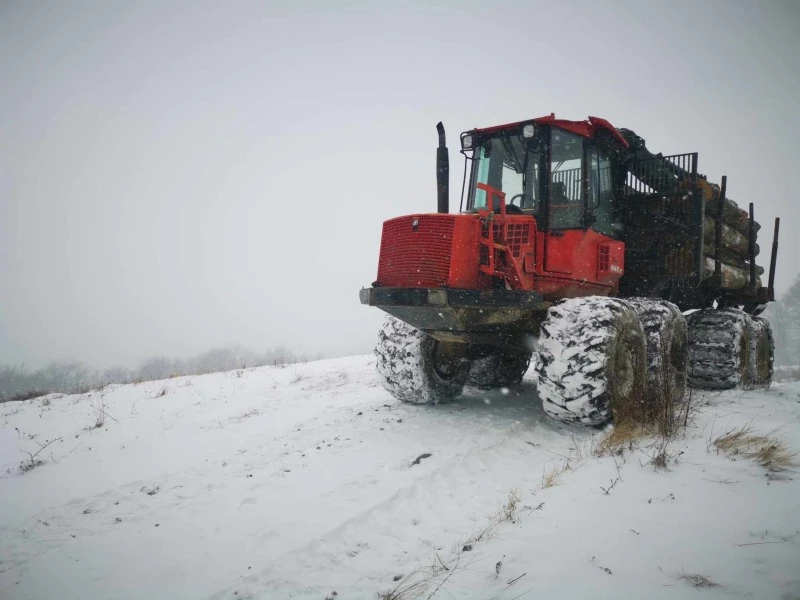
(628, 273)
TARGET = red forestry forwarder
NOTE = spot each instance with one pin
(574, 241)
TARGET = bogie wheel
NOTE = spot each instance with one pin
(720, 347)
(667, 350)
(501, 369)
(592, 360)
(416, 368)
(762, 353)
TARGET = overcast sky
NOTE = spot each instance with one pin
(180, 175)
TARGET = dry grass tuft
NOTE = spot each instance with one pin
(767, 450)
(509, 510)
(425, 579)
(550, 476)
(621, 437)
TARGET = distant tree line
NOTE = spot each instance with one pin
(784, 316)
(21, 383)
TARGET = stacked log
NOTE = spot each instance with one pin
(731, 278)
(734, 240)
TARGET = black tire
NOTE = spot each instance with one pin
(762, 353)
(499, 370)
(720, 343)
(667, 349)
(416, 368)
(592, 359)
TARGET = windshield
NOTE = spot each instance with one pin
(503, 163)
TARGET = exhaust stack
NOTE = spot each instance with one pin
(442, 172)
(773, 259)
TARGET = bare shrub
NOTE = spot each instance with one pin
(33, 459)
(660, 415)
(99, 410)
(425, 579)
(509, 510)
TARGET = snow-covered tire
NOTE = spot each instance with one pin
(762, 353)
(499, 370)
(415, 368)
(592, 357)
(667, 349)
(720, 343)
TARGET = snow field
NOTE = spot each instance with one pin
(297, 482)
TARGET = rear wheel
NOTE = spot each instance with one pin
(592, 360)
(720, 347)
(498, 370)
(416, 368)
(762, 352)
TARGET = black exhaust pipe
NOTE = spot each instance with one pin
(442, 172)
(773, 259)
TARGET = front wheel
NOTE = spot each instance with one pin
(592, 361)
(416, 368)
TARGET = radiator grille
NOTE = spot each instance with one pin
(415, 251)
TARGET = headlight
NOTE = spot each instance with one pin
(466, 142)
(528, 131)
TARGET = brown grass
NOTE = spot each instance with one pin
(658, 415)
(621, 437)
(509, 510)
(653, 411)
(550, 476)
(766, 450)
(426, 579)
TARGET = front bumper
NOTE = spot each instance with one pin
(473, 316)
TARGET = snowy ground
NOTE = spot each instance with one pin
(298, 482)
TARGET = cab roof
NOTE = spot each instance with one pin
(587, 128)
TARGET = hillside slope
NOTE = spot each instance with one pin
(303, 481)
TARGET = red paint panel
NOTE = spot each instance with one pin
(560, 250)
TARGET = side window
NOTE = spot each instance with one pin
(566, 180)
(601, 199)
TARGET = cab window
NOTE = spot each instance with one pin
(601, 196)
(566, 180)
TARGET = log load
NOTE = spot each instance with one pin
(733, 242)
(733, 278)
(730, 259)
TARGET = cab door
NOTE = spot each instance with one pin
(566, 205)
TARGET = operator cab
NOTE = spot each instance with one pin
(560, 177)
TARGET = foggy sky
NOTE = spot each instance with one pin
(180, 175)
